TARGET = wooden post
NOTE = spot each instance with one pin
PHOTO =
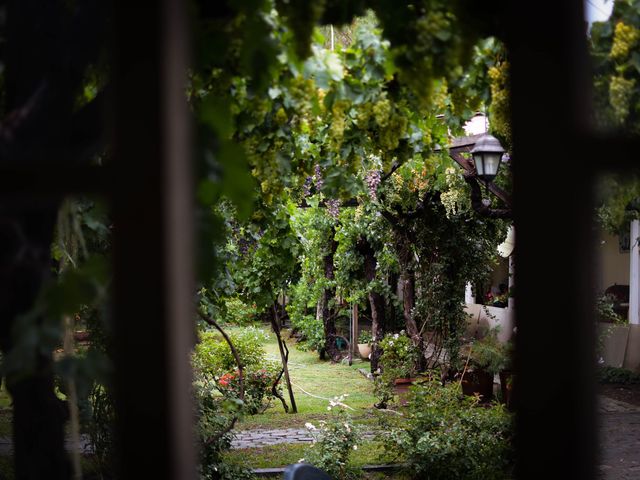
(356, 327)
(634, 274)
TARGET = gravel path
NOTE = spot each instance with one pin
(619, 427)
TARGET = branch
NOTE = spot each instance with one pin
(476, 200)
(234, 352)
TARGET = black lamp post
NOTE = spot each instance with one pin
(487, 155)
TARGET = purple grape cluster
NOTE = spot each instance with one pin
(317, 178)
(333, 207)
(306, 188)
(373, 180)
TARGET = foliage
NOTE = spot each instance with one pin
(616, 63)
(451, 251)
(213, 361)
(364, 336)
(486, 353)
(334, 441)
(239, 313)
(214, 414)
(399, 355)
(257, 387)
(617, 201)
(624, 376)
(605, 311)
(399, 359)
(448, 435)
(213, 356)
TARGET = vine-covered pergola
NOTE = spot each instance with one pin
(150, 189)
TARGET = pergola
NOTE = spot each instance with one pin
(150, 191)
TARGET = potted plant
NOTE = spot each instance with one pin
(398, 366)
(506, 375)
(364, 344)
(483, 359)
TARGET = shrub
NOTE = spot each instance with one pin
(447, 435)
(333, 442)
(214, 361)
(608, 374)
(239, 313)
(213, 355)
(257, 387)
(487, 353)
(605, 311)
(364, 336)
(398, 360)
(214, 414)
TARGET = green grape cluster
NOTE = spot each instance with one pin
(395, 130)
(455, 199)
(338, 123)
(302, 90)
(281, 117)
(365, 112)
(500, 109)
(625, 39)
(382, 112)
(436, 51)
(620, 93)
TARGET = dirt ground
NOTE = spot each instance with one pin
(629, 393)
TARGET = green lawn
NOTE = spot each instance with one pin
(368, 453)
(319, 379)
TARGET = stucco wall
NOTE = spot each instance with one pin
(621, 345)
(482, 318)
(612, 265)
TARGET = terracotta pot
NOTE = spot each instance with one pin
(506, 387)
(401, 388)
(364, 349)
(478, 381)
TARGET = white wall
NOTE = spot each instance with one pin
(481, 318)
(613, 266)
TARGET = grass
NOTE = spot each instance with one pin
(368, 453)
(319, 379)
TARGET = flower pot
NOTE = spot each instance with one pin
(478, 382)
(364, 349)
(401, 388)
(506, 387)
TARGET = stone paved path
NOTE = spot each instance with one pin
(262, 437)
(619, 428)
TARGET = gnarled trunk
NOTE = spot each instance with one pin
(376, 301)
(325, 312)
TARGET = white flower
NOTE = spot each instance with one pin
(391, 343)
(329, 408)
(355, 447)
(310, 426)
(396, 336)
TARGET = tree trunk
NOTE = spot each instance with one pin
(408, 283)
(284, 355)
(376, 301)
(325, 311)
